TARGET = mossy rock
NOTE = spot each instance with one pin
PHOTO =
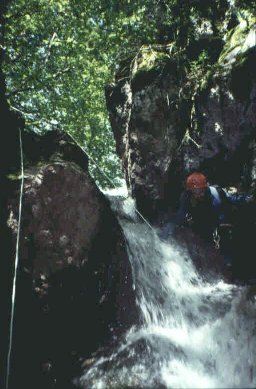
(236, 40)
(144, 78)
(150, 58)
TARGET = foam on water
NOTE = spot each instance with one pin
(195, 334)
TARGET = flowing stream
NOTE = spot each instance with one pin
(194, 334)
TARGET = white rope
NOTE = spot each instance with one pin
(15, 266)
(108, 178)
(90, 157)
(142, 217)
(18, 241)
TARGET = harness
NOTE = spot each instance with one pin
(220, 203)
(216, 238)
(219, 206)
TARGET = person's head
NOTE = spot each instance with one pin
(196, 183)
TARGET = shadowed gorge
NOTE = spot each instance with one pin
(107, 108)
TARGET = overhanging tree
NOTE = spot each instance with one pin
(59, 54)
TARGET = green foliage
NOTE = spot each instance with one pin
(60, 54)
(247, 5)
(199, 71)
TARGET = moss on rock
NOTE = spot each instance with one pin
(150, 59)
(237, 41)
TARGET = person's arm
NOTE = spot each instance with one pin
(239, 198)
(178, 219)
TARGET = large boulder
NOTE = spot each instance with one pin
(148, 123)
(74, 287)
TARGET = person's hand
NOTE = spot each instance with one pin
(167, 230)
(251, 198)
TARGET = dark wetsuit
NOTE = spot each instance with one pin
(206, 214)
(210, 212)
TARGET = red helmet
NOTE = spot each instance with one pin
(196, 181)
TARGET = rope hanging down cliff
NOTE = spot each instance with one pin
(108, 178)
(16, 264)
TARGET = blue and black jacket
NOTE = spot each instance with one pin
(209, 214)
(206, 215)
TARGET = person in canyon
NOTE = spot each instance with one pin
(207, 210)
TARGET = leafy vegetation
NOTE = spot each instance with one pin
(60, 54)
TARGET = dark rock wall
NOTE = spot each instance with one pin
(226, 141)
(164, 130)
(74, 287)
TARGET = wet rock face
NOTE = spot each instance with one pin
(148, 129)
(226, 141)
(74, 289)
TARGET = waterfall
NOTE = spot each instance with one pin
(193, 333)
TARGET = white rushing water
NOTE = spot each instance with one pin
(194, 334)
